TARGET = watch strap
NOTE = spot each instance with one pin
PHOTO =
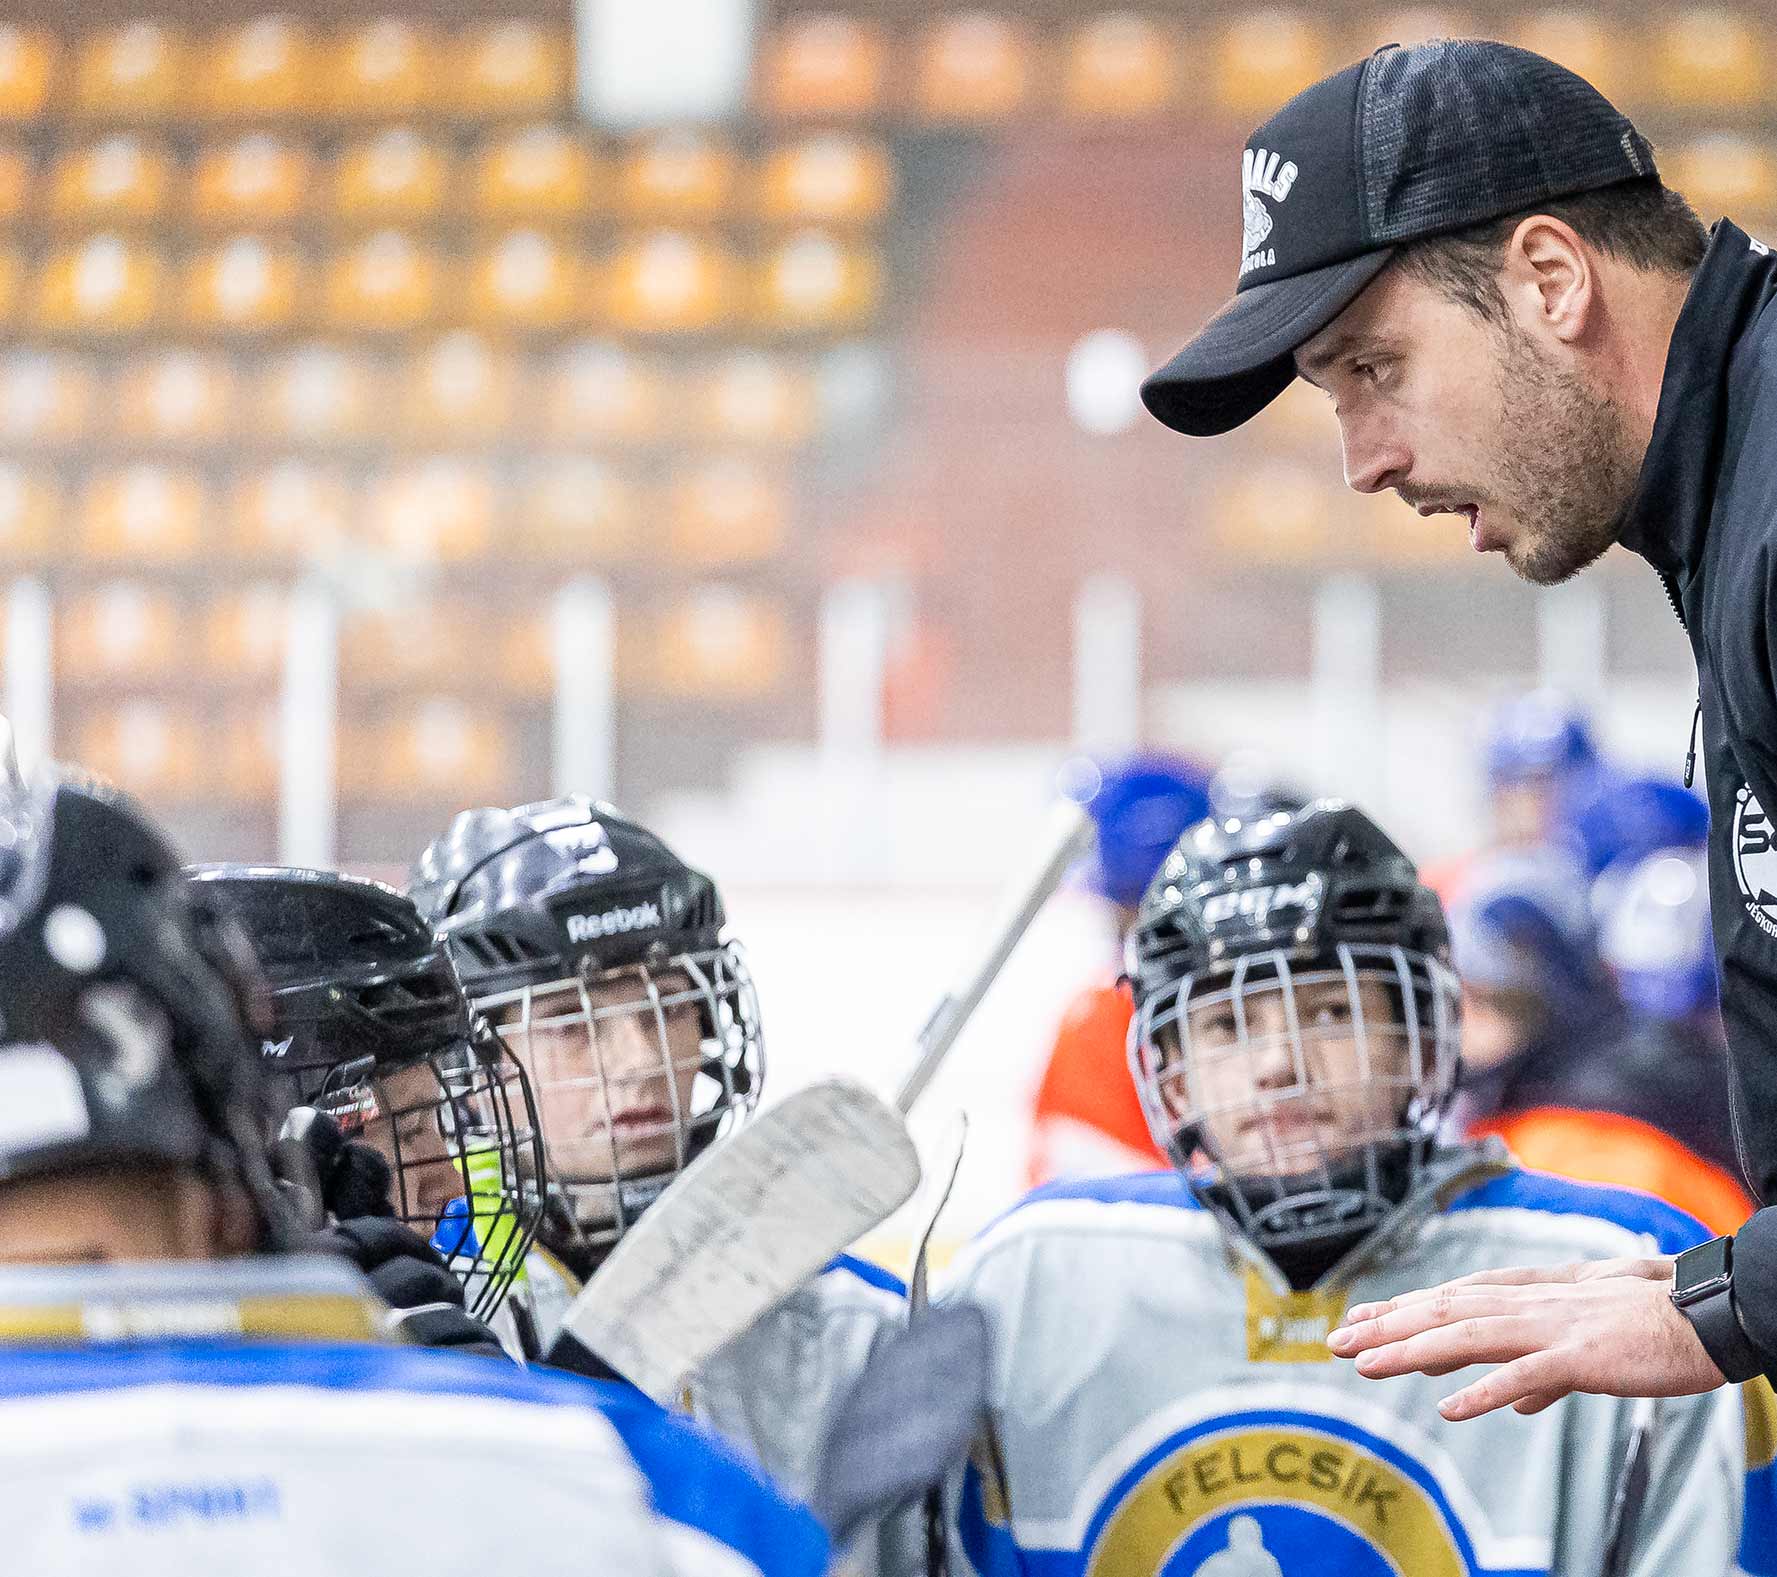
(1718, 1328)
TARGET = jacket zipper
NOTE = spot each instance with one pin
(1670, 587)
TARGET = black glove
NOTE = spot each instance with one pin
(351, 1178)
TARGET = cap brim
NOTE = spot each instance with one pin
(1244, 357)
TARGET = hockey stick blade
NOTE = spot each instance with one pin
(743, 1227)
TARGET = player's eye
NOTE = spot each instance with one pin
(1329, 1013)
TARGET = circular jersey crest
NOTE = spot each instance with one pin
(1755, 860)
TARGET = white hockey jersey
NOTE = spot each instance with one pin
(1163, 1402)
(169, 1420)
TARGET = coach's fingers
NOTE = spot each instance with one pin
(1446, 1306)
(1509, 1276)
(1535, 1404)
(1485, 1339)
(1543, 1377)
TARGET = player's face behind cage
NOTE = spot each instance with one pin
(1308, 1075)
(636, 1070)
(460, 1132)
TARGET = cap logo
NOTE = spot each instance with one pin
(1261, 174)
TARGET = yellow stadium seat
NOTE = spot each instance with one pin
(537, 174)
(247, 744)
(752, 398)
(253, 180)
(387, 283)
(322, 394)
(140, 71)
(393, 177)
(46, 398)
(382, 69)
(814, 283)
(176, 396)
(718, 644)
(16, 180)
(528, 280)
(142, 513)
(243, 632)
(1587, 42)
(578, 511)
(1280, 513)
(28, 61)
(433, 748)
(509, 67)
(1724, 174)
(436, 511)
(823, 65)
(459, 387)
(291, 512)
(678, 177)
(30, 513)
(409, 644)
(1411, 25)
(120, 629)
(267, 67)
(523, 664)
(1710, 59)
(12, 285)
(668, 282)
(1268, 56)
(102, 285)
(1119, 64)
(972, 66)
(726, 512)
(151, 749)
(120, 179)
(830, 179)
(598, 392)
(245, 285)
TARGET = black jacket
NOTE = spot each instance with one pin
(1705, 515)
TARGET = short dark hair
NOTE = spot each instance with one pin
(1642, 223)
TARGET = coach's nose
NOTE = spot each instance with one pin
(1375, 460)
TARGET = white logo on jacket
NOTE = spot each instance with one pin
(1755, 860)
(1262, 174)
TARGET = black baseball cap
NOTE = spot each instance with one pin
(1409, 143)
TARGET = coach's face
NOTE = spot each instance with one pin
(1491, 417)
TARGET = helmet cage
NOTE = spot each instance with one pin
(641, 1118)
(1307, 1183)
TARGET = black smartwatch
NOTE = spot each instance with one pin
(1703, 1290)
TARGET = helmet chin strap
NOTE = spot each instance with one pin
(1337, 1203)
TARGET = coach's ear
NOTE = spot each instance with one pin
(1549, 281)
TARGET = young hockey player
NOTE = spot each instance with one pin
(601, 960)
(180, 1394)
(1162, 1394)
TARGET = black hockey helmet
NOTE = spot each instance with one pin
(1296, 1016)
(372, 1029)
(130, 1014)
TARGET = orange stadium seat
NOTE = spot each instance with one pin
(291, 512)
(120, 629)
(528, 280)
(726, 512)
(267, 67)
(120, 179)
(16, 182)
(46, 397)
(1711, 60)
(393, 177)
(972, 66)
(431, 749)
(30, 512)
(1724, 174)
(246, 284)
(243, 630)
(1278, 512)
(509, 67)
(599, 392)
(246, 748)
(142, 513)
(435, 511)
(523, 664)
(813, 283)
(1587, 42)
(382, 69)
(823, 65)
(322, 394)
(139, 71)
(1268, 56)
(28, 60)
(668, 282)
(412, 644)
(104, 284)
(678, 177)
(579, 511)
(831, 179)
(1119, 64)
(250, 181)
(718, 644)
(537, 174)
(387, 283)
(176, 396)
(1409, 26)
(151, 749)
(458, 387)
(12, 285)
(753, 398)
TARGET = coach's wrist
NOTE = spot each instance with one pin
(1703, 1292)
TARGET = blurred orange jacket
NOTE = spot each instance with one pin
(1088, 1118)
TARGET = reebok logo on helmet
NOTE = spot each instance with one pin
(613, 922)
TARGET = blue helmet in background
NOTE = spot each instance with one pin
(1141, 806)
(1628, 819)
(1655, 936)
(1540, 735)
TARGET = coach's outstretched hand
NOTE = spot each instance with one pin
(1608, 1327)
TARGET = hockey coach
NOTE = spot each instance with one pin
(1471, 252)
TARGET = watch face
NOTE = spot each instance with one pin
(1701, 1267)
